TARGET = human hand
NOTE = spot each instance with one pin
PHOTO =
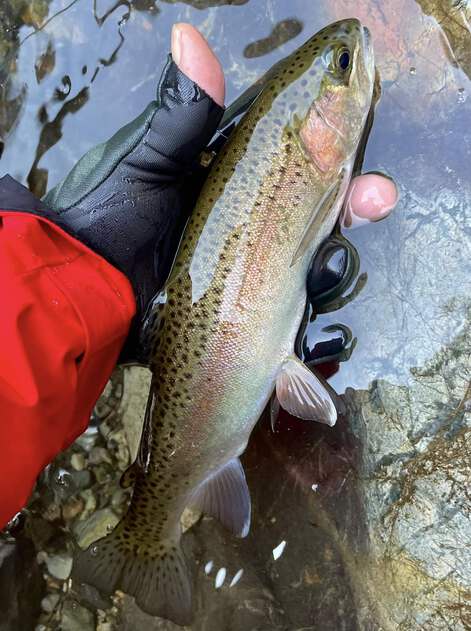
(128, 199)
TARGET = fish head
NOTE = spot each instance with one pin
(330, 93)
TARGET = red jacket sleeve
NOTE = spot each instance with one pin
(64, 315)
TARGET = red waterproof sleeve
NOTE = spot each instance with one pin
(64, 316)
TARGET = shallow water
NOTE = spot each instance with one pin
(373, 512)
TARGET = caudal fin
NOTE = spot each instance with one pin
(157, 576)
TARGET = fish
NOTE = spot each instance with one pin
(221, 334)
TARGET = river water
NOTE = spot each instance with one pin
(374, 512)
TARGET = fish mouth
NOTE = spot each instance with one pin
(368, 53)
(367, 45)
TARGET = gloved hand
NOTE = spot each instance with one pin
(128, 198)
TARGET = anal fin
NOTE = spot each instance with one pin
(274, 410)
(225, 495)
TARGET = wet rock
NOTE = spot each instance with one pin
(50, 602)
(88, 439)
(59, 566)
(52, 512)
(91, 598)
(104, 473)
(78, 461)
(35, 12)
(133, 405)
(42, 532)
(81, 479)
(415, 467)
(98, 455)
(109, 402)
(119, 500)
(453, 17)
(76, 618)
(189, 517)
(98, 525)
(89, 498)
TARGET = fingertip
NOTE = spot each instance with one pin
(371, 197)
(193, 55)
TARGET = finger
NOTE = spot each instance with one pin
(370, 197)
(194, 57)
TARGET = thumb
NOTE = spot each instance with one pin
(194, 57)
(164, 140)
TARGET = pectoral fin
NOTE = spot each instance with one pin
(225, 495)
(274, 410)
(302, 394)
(330, 203)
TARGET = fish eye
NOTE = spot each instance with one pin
(343, 60)
(338, 60)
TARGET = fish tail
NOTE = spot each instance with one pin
(157, 576)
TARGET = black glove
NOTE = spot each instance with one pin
(128, 198)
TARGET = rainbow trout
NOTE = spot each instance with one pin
(222, 333)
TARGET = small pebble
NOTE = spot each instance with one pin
(189, 517)
(59, 565)
(73, 507)
(236, 578)
(220, 578)
(49, 602)
(52, 512)
(118, 499)
(76, 618)
(78, 462)
(98, 455)
(278, 551)
(103, 473)
(82, 479)
(90, 501)
(96, 526)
